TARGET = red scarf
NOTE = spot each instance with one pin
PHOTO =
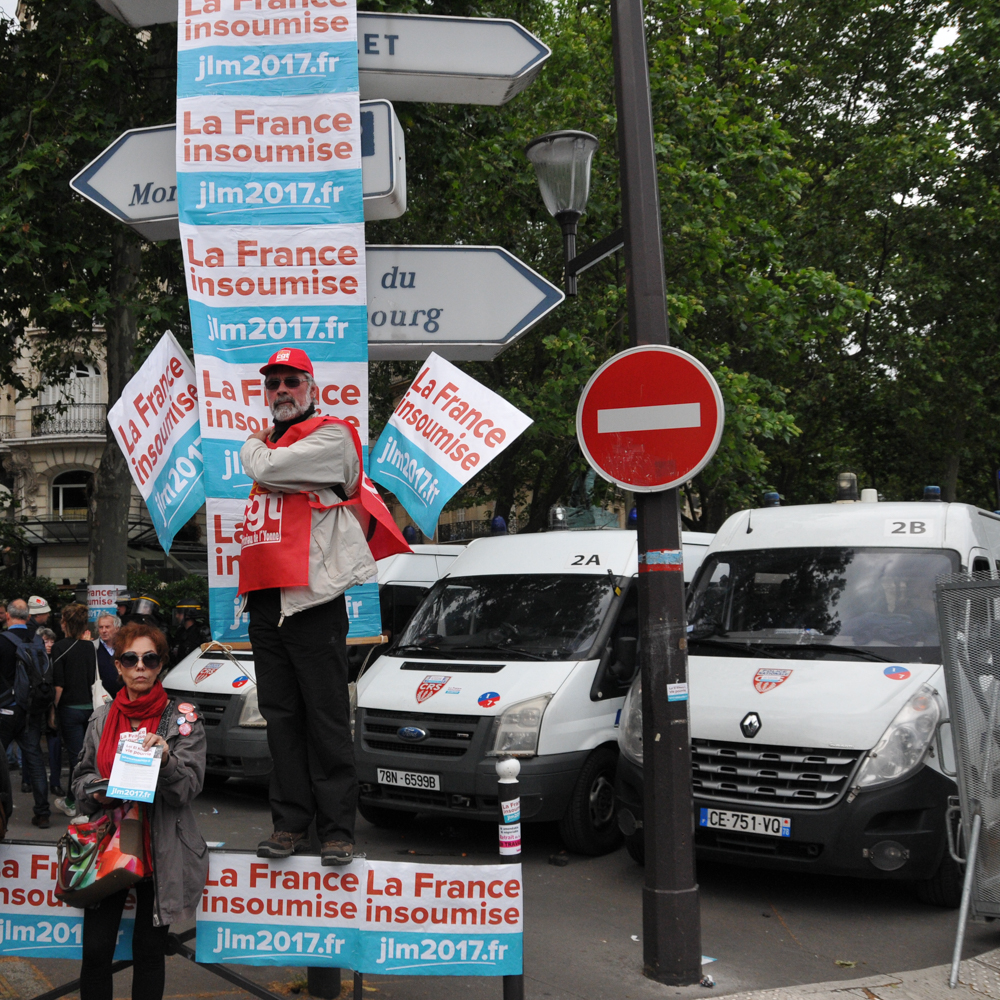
(148, 708)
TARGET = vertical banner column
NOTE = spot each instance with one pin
(272, 229)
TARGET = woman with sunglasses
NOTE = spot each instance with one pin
(175, 849)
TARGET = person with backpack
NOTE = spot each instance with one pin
(26, 694)
(74, 667)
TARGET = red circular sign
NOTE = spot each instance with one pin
(650, 418)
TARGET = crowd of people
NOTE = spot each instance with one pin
(42, 728)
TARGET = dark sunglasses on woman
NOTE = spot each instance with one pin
(131, 660)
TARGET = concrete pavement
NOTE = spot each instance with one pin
(769, 931)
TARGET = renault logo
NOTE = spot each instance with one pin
(750, 726)
(412, 734)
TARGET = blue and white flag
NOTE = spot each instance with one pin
(155, 422)
(271, 213)
(445, 429)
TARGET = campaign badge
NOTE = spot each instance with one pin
(768, 678)
(430, 686)
(896, 673)
(240, 681)
(488, 700)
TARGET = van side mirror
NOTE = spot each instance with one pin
(626, 655)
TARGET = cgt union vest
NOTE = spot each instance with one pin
(277, 526)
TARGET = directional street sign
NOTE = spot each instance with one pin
(446, 60)
(415, 57)
(650, 418)
(465, 303)
(135, 178)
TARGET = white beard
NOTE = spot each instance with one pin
(287, 409)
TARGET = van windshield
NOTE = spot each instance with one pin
(518, 617)
(830, 603)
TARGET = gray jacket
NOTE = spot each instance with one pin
(180, 855)
(339, 556)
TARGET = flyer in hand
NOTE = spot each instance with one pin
(135, 770)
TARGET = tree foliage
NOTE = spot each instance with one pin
(829, 203)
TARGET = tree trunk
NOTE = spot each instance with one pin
(109, 503)
(950, 485)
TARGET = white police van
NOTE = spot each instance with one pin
(221, 683)
(816, 692)
(527, 647)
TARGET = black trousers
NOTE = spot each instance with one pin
(302, 692)
(100, 936)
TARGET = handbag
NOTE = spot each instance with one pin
(104, 855)
(98, 692)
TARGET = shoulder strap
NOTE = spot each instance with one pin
(64, 652)
(17, 641)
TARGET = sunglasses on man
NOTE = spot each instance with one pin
(290, 382)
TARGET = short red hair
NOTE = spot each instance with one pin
(127, 634)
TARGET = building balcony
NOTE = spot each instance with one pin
(69, 419)
(6, 428)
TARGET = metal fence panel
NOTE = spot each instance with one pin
(969, 618)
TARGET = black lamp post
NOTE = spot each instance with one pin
(562, 164)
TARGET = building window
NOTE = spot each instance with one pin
(83, 386)
(69, 494)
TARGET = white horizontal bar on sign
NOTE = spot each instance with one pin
(649, 418)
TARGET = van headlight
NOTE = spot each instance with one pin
(516, 729)
(250, 717)
(630, 727)
(904, 743)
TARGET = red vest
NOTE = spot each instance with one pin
(277, 526)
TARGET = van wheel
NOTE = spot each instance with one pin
(389, 819)
(944, 887)
(635, 844)
(589, 826)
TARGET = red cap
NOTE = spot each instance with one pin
(289, 357)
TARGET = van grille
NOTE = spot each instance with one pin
(799, 776)
(447, 735)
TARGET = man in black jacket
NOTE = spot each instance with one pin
(16, 722)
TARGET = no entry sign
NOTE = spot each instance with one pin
(650, 418)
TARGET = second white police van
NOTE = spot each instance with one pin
(817, 697)
(527, 648)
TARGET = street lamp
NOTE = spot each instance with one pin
(562, 164)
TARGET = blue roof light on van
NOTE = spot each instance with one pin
(772, 499)
(498, 526)
(632, 521)
(932, 494)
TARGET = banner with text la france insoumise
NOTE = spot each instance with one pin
(272, 228)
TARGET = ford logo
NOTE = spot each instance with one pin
(412, 734)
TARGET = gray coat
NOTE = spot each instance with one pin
(180, 855)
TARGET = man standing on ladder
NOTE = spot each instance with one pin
(303, 546)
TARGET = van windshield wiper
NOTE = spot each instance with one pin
(743, 645)
(861, 654)
(504, 649)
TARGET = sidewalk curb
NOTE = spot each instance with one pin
(979, 977)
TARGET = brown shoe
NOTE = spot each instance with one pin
(280, 845)
(337, 852)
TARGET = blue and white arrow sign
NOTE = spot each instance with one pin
(465, 303)
(135, 178)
